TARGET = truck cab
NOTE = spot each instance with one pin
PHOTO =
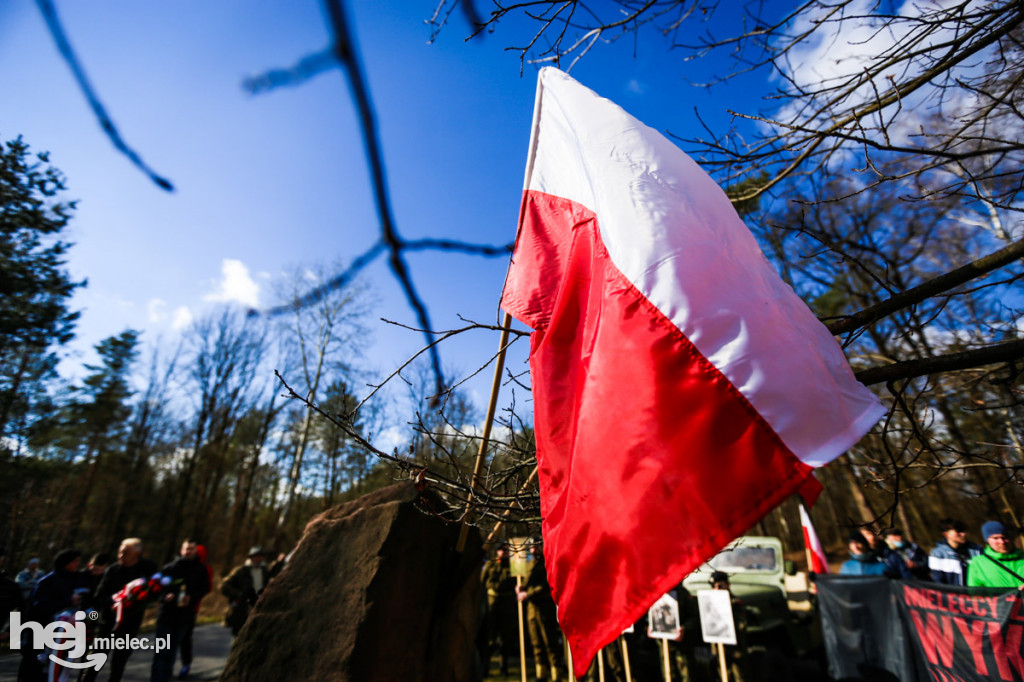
(758, 578)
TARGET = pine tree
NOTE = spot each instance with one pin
(34, 284)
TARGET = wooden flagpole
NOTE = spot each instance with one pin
(721, 662)
(568, 658)
(600, 666)
(485, 437)
(522, 635)
(668, 667)
(625, 658)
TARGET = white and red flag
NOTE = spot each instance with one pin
(818, 563)
(681, 389)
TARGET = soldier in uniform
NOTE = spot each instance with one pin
(244, 585)
(684, 649)
(540, 618)
(502, 623)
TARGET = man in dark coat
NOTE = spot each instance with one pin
(189, 583)
(130, 565)
(93, 573)
(52, 594)
(914, 560)
(190, 621)
(54, 591)
(243, 586)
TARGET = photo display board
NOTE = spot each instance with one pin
(716, 622)
(663, 619)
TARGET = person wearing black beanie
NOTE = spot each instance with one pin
(54, 591)
(52, 595)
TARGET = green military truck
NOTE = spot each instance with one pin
(778, 618)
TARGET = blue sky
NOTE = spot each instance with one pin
(267, 182)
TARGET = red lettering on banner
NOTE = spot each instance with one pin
(993, 606)
(936, 635)
(975, 635)
(992, 603)
(1007, 651)
(921, 599)
(934, 600)
(1015, 611)
(978, 607)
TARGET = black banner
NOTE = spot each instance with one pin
(960, 635)
(875, 627)
(863, 632)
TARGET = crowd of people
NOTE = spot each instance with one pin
(954, 560)
(119, 588)
(690, 659)
(115, 592)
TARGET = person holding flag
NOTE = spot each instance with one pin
(124, 617)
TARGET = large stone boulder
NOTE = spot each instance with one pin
(375, 590)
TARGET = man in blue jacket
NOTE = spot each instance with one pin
(862, 560)
(948, 561)
(904, 556)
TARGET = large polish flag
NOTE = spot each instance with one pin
(681, 389)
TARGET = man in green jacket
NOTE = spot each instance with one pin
(1000, 564)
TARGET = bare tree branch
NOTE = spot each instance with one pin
(57, 31)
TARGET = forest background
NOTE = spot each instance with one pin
(882, 175)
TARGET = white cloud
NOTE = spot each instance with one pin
(393, 438)
(236, 285)
(838, 51)
(182, 318)
(636, 87)
(157, 310)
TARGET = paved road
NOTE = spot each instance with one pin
(210, 647)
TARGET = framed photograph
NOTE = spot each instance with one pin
(716, 622)
(663, 619)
